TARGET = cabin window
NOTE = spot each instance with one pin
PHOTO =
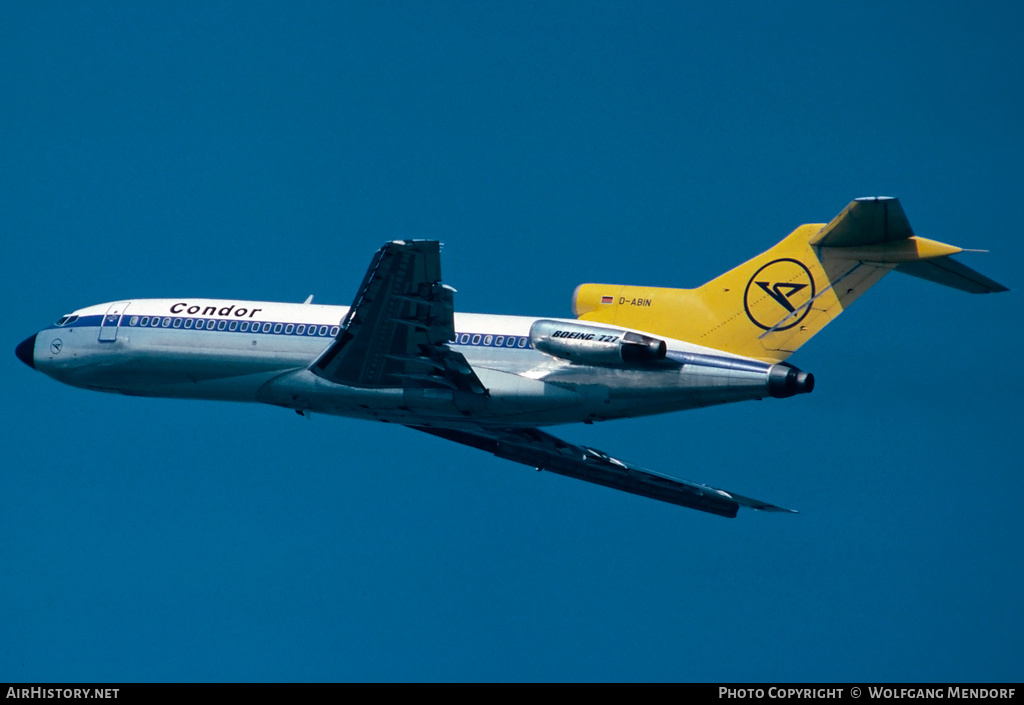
(323, 330)
(301, 329)
(166, 323)
(210, 324)
(487, 340)
(177, 323)
(188, 322)
(522, 342)
(335, 330)
(464, 339)
(155, 321)
(145, 321)
(476, 339)
(266, 327)
(278, 327)
(245, 326)
(221, 325)
(233, 325)
(289, 328)
(134, 321)
(499, 341)
(312, 330)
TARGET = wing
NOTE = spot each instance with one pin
(545, 452)
(396, 333)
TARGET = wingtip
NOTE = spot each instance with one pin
(773, 508)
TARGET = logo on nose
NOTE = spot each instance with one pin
(56, 345)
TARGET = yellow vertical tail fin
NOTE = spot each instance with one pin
(769, 306)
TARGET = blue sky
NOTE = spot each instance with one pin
(265, 150)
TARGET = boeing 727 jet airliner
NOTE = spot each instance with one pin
(401, 354)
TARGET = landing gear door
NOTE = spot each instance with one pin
(112, 319)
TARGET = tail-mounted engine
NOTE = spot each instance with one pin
(595, 345)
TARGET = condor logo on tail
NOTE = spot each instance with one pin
(777, 290)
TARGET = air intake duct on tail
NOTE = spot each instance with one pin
(787, 381)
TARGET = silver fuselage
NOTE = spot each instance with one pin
(260, 352)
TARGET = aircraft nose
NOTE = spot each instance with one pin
(25, 351)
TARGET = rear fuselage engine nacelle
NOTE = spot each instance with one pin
(595, 345)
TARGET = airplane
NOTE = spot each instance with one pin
(401, 354)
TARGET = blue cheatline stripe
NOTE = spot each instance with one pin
(220, 325)
(490, 340)
(478, 340)
(231, 325)
(291, 328)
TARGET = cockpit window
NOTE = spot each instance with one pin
(62, 320)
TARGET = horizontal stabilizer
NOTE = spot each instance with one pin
(876, 230)
(875, 220)
(948, 272)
